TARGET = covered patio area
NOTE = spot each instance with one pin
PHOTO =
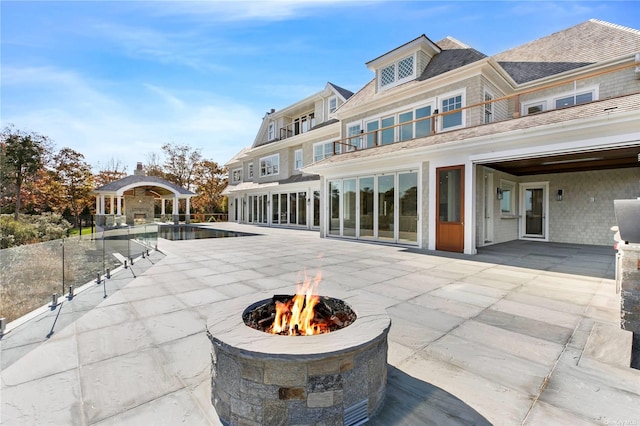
(133, 200)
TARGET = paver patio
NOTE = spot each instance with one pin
(520, 334)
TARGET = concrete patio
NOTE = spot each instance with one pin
(522, 333)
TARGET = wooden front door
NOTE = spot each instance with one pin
(450, 206)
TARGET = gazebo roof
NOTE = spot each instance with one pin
(135, 181)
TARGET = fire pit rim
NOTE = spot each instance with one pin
(226, 327)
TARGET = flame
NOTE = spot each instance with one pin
(296, 316)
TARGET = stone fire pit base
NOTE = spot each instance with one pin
(334, 378)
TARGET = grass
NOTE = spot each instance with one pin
(85, 231)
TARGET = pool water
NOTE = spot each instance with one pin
(179, 233)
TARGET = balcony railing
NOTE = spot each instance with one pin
(486, 112)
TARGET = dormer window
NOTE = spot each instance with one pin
(333, 104)
(272, 131)
(397, 73)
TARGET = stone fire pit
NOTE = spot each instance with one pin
(333, 378)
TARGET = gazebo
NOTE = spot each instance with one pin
(132, 200)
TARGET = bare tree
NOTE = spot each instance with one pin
(111, 171)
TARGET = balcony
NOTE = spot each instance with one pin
(480, 118)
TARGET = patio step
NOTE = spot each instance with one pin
(608, 344)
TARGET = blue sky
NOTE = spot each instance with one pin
(115, 80)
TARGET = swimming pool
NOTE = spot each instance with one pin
(187, 232)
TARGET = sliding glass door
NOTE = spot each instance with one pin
(381, 207)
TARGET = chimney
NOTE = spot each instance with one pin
(139, 171)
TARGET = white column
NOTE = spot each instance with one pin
(111, 206)
(119, 206)
(175, 206)
(102, 205)
(188, 199)
(162, 201)
(98, 204)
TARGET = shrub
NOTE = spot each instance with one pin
(29, 229)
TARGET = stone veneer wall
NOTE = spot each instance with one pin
(138, 204)
(630, 296)
(584, 216)
(248, 388)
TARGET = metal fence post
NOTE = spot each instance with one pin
(62, 245)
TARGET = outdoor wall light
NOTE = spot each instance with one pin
(560, 194)
(71, 292)
(499, 193)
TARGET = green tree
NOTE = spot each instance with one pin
(22, 155)
(75, 176)
(210, 180)
(180, 163)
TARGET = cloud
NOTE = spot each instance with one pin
(249, 10)
(91, 118)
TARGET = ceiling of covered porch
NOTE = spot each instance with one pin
(574, 162)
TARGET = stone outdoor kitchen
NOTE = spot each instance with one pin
(298, 359)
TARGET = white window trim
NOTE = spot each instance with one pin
(489, 106)
(463, 118)
(357, 135)
(396, 80)
(511, 186)
(324, 153)
(271, 131)
(295, 159)
(332, 98)
(549, 102)
(269, 157)
(236, 173)
(396, 113)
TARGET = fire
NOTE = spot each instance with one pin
(296, 316)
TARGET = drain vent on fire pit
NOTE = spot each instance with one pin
(356, 414)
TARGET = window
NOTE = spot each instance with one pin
(534, 108)
(406, 130)
(388, 75)
(323, 150)
(270, 166)
(398, 72)
(333, 104)
(488, 108)
(423, 127)
(388, 135)
(298, 159)
(574, 100)
(272, 131)
(372, 135)
(562, 100)
(250, 171)
(449, 104)
(236, 175)
(507, 203)
(412, 124)
(303, 123)
(354, 131)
